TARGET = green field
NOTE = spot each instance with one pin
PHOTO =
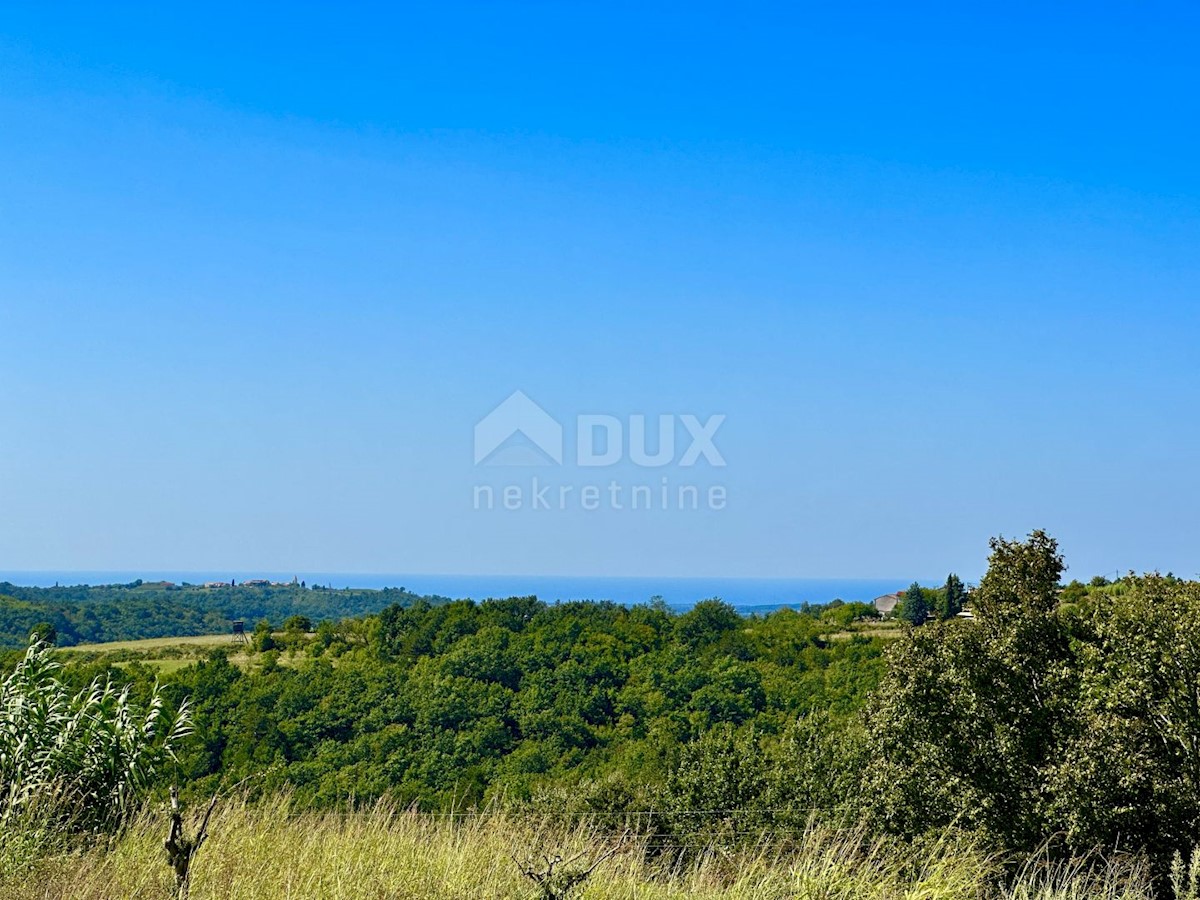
(205, 640)
(165, 654)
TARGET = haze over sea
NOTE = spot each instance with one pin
(747, 594)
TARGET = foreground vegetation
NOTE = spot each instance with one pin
(269, 851)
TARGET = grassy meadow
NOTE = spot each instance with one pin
(162, 654)
(269, 851)
(205, 641)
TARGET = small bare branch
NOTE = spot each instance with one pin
(560, 879)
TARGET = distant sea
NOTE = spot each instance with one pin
(747, 594)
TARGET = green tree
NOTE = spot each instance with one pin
(914, 607)
(298, 623)
(263, 639)
(1130, 770)
(818, 766)
(968, 723)
(954, 596)
(1074, 592)
(714, 794)
(708, 623)
(1021, 582)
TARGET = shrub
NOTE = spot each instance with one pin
(74, 762)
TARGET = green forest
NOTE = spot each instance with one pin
(1054, 719)
(84, 614)
(462, 703)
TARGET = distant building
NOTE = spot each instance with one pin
(216, 584)
(887, 603)
(257, 582)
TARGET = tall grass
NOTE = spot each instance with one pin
(269, 851)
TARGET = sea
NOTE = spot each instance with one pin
(749, 595)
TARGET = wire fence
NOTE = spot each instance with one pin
(487, 813)
(661, 831)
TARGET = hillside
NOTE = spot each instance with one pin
(82, 614)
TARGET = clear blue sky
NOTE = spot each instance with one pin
(261, 272)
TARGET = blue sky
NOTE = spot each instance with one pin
(262, 271)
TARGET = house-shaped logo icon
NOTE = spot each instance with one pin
(518, 432)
